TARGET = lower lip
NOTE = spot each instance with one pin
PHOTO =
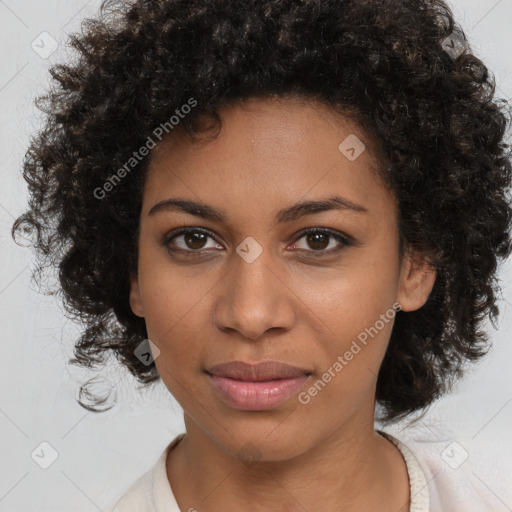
(256, 396)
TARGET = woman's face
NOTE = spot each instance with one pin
(250, 286)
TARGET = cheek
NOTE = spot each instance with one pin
(349, 357)
(175, 319)
(174, 298)
(353, 309)
(348, 300)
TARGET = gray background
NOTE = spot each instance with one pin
(100, 455)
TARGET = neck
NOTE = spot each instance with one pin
(349, 471)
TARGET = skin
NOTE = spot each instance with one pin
(286, 305)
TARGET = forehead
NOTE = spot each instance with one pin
(269, 151)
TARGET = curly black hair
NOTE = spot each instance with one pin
(386, 63)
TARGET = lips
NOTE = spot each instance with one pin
(260, 372)
(256, 387)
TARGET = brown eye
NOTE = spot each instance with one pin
(318, 240)
(189, 240)
(195, 240)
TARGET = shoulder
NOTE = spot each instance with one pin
(456, 477)
(138, 496)
(151, 492)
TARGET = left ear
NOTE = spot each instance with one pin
(135, 296)
(417, 279)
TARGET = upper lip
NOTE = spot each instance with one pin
(262, 371)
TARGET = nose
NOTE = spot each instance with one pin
(255, 298)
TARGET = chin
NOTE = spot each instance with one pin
(264, 443)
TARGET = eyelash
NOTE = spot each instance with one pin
(344, 240)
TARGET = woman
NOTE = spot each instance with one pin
(266, 205)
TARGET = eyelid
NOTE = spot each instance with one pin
(183, 231)
(327, 231)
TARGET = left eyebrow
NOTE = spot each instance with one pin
(288, 214)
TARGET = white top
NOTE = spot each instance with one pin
(440, 481)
